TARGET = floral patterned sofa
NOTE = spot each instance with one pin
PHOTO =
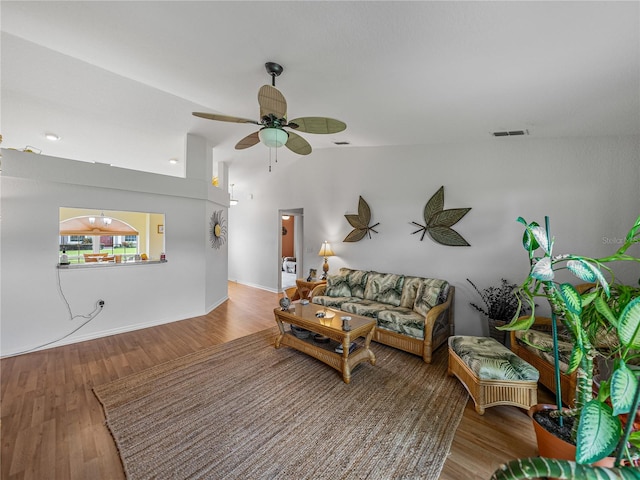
(413, 314)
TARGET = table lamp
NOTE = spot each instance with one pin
(325, 251)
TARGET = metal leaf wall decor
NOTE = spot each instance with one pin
(360, 223)
(438, 222)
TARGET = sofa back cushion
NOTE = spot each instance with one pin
(431, 292)
(337, 286)
(541, 344)
(357, 280)
(384, 288)
(410, 291)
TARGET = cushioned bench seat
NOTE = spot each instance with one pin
(491, 373)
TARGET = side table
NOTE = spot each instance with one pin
(305, 288)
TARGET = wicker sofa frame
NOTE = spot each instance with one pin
(441, 313)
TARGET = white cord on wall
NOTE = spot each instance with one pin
(90, 316)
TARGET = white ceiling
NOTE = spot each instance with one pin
(118, 80)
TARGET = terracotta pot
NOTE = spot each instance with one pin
(550, 446)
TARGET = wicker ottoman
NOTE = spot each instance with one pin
(491, 373)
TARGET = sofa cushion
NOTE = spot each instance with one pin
(430, 294)
(488, 359)
(357, 280)
(384, 288)
(366, 308)
(337, 286)
(334, 302)
(541, 343)
(402, 320)
(410, 291)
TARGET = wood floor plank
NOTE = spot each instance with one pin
(52, 426)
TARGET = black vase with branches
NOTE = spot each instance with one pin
(499, 305)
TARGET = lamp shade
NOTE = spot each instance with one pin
(273, 137)
(325, 250)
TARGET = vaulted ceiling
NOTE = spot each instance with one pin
(118, 80)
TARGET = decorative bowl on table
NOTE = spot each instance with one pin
(285, 303)
(300, 332)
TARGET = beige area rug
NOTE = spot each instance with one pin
(244, 410)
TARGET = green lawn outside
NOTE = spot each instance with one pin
(77, 256)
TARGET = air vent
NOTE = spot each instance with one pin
(341, 143)
(511, 133)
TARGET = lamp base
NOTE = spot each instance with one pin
(325, 269)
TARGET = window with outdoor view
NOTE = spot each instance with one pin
(89, 235)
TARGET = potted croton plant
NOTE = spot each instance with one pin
(603, 423)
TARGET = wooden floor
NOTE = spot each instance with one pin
(53, 426)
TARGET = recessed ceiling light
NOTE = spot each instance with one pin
(173, 161)
(52, 137)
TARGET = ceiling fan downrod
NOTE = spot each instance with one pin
(273, 69)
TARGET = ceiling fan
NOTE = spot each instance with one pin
(273, 120)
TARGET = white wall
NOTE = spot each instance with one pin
(590, 189)
(33, 311)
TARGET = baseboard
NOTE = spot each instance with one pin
(96, 335)
(216, 305)
(261, 287)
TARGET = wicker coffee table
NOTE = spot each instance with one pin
(304, 316)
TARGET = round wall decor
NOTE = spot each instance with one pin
(217, 229)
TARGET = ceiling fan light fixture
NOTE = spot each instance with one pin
(273, 121)
(273, 137)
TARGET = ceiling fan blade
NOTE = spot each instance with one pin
(319, 125)
(248, 141)
(272, 101)
(297, 144)
(224, 118)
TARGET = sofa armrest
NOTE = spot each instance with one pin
(318, 290)
(446, 308)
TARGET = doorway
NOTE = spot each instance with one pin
(290, 247)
